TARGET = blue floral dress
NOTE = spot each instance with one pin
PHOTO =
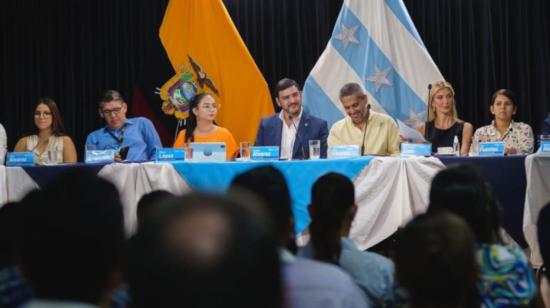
(506, 280)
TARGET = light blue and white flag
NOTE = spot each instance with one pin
(375, 44)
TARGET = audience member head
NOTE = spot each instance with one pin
(113, 108)
(355, 102)
(205, 251)
(270, 185)
(10, 219)
(288, 96)
(543, 229)
(47, 117)
(442, 100)
(332, 210)
(202, 107)
(461, 190)
(149, 202)
(503, 105)
(71, 245)
(435, 261)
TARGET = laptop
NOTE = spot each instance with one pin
(208, 151)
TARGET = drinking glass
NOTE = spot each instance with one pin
(245, 150)
(314, 149)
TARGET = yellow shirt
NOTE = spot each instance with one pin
(219, 134)
(382, 137)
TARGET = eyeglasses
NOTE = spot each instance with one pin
(45, 114)
(114, 111)
(210, 106)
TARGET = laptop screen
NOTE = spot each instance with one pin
(208, 151)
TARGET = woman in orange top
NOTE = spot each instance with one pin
(201, 127)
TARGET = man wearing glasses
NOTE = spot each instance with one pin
(137, 135)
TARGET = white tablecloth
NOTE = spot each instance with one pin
(537, 194)
(3, 186)
(389, 192)
(132, 180)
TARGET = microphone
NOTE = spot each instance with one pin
(429, 91)
(365, 131)
(297, 137)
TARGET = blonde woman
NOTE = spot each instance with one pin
(443, 122)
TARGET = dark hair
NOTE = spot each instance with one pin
(10, 219)
(57, 125)
(332, 198)
(506, 92)
(461, 190)
(109, 96)
(435, 261)
(270, 185)
(149, 202)
(205, 251)
(191, 122)
(284, 84)
(71, 242)
(543, 229)
(352, 88)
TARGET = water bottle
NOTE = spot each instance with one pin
(456, 146)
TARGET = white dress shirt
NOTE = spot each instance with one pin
(288, 135)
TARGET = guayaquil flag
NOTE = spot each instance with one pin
(208, 55)
(375, 44)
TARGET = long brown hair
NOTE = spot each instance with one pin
(57, 125)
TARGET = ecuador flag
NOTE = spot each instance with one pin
(201, 35)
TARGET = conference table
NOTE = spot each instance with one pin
(389, 190)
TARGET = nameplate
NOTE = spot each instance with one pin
(491, 149)
(545, 147)
(99, 156)
(170, 154)
(416, 149)
(20, 159)
(264, 153)
(344, 151)
(208, 151)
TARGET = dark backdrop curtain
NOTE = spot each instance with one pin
(75, 50)
(285, 37)
(481, 46)
(71, 51)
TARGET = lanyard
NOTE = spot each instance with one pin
(120, 137)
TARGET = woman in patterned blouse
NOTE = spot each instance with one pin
(505, 275)
(517, 136)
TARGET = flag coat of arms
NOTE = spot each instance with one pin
(208, 55)
(375, 44)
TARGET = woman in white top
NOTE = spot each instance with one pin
(3, 144)
(49, 142)
(517, 137)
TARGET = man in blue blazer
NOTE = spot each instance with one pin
(292, 128)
